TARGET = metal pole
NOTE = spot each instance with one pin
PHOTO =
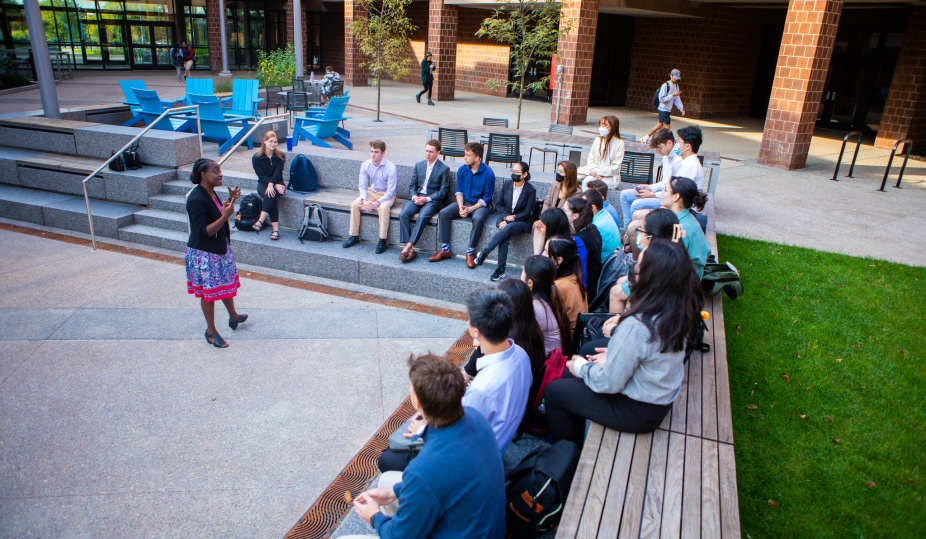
(223, 38)
(41, 59)
(297, 35)
(559, 90)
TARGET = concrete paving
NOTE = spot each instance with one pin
(118, 419)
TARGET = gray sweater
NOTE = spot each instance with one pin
(636, 368)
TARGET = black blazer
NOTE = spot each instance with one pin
(202, 210)
(591, 237)
(437, 190)
(269, 169)
(525, 208)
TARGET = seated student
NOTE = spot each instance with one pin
(588, 240)
(610, 234)
(555, 223)
(630, 385)
(680, 195)
(377, 186)
(659, 224)
(475, 188)
(606, 155)
(539, 273)
(514, 209)
(328, 83)
(455, 488)
(648, 196)
(268, 163)
(565, 186)
(602, 189)
(563, 252)
(689, 142)
(427, 193)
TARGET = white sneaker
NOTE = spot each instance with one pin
(645, 139)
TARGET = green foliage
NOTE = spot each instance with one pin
(12, 80)
(826, 355)
(276, 68)
(223, 85)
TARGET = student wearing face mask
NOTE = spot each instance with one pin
(565, 187)
(659, 224)
(606, 156)
(513, 210)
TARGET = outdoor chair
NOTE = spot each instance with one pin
(313, 95)
(274, 99)
(297, 102)
(495, 122)
(226, 129)
(244, 99)
(315, 127)
(198, 87)
(503, 148)
(637, 167)
(151, 106)
(128, 90)
(298, 85)
(552, 147)
(629, 138)
(337, 88)
(452, 141)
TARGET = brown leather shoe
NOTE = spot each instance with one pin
(403, 256)
(440, 255)
(413, 254)
(470, 261)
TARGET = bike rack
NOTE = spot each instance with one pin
(908, 146)
(858, 144)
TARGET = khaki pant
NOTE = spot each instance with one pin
(387, 480)
(383, 211)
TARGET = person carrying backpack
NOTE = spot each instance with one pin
(667, 96)
(177, 57)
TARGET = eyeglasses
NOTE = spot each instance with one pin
(641, 231)
(273, 140)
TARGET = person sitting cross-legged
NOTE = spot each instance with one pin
(515, 208)
(378, 181)
(427, 193)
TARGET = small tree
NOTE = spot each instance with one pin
(383, 38)
(532, 28)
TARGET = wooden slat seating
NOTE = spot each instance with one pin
(226, 129)
(152, 106)
(637, 167)
(245, 100)
(128, 90)
(316, 125)
(198, 87)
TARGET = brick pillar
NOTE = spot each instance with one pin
(803, 62)
(442, 42)
(576, 51)
(353, 75)
(214, 37)
(904, 113)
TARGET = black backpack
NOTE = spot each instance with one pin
(656, 96)
(248, 212)
(536, 489)
(314, 224)
(302, 176)
(721, 277)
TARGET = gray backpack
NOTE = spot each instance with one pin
(314, 224)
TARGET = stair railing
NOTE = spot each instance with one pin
(118, 154)
(260, 122)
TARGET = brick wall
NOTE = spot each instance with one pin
(418, 13)
(333, 36)
(576, 52)
(905, 111)
(214, 37)
(717, 57)
(353, 74)
(443, 28)
(479, 60)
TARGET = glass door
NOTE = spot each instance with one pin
(151, 44)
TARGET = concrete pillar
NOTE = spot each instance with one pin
(576, 51)
(442, 42)
(353, 75)
(904, 113)
(803, 63)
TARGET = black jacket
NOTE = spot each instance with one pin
(437, 190)
(591, 237)
(525, 208)
(269, 169)
(201, 209)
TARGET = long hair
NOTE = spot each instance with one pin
(688, 192)
(276, 151)
(570, 179)
(542, 273)
(555, 223)
(667, 296)
(583, 208)
(660, 223)
(525, 331)
(615, 132)
(565, 247)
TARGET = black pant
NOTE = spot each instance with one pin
(395, 461)
(425, 212)
(452, 212)
(502, 238)
(570, 402)
(427, 88)
(269, 204)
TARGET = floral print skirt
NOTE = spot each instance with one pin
(210, 276)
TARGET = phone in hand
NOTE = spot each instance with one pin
(639, 188)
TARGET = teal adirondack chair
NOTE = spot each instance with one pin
(198, 87)
(244, 99)
(128, 90)
(226, 129)
(152, 106)
(319, 125)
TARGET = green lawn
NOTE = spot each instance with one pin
(827, 356)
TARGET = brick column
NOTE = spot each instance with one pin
(803, 62)
(904, 113)
(442, 42)
(576, 51)
(214, 37)
(353, 75)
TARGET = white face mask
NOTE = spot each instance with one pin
(603, 132)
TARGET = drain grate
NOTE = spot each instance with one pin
(326, 514)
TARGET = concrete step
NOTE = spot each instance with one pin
(170, 220)
(155, 237)
(173, 203)
(64, 211)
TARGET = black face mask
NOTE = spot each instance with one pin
(515, 177)
(560, 177)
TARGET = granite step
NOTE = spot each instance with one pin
(174, 240)
(172, 203)
(170, 220)
(64, 211)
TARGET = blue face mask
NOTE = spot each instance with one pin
(639, 246)
(678, 150)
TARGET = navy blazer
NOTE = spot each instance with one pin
(437, 190)
(525, 208)
(202, 210)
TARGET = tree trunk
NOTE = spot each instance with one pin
(379, 94)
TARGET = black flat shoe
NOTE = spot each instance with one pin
(216, 340)
(234, 323)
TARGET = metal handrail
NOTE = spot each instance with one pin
(858, 144)
(908, 147)
(248, 134)
(118, 153)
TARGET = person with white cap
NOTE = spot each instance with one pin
(668, 96)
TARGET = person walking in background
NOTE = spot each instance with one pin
(668, 96)
(188, 54)
(268, 163)
(211, 273)
(427, 78)
(178, 57)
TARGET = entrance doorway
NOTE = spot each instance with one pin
(611, 62)
(150, 45)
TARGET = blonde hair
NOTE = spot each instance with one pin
(276, 151)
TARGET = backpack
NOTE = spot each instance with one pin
(178, 56)
(613, 269)
(302, 176)
(535, 420)
(719, 277)
(656, 96)
(696, 339)
(536, 489)
(314, 224)
(131, 157)
(248, 212)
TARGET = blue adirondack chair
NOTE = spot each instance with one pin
(315, 126)
(128, 90)
(152, 106)
(244, 99)
(226, 129)
(198, 87)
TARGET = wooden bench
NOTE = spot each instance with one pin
(679, 481)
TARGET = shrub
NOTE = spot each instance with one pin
(276, 68)
(12, 80)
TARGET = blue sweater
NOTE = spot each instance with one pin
(478, 186)
(454, 488)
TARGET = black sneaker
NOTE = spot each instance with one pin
(498, 275)
(351, 241)
(418, 98)
(481, 258)
(381, 247)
